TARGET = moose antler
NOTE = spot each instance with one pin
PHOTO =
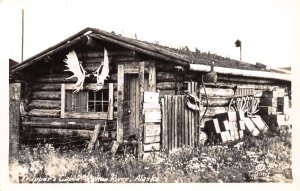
(74, 66)
(101, 73)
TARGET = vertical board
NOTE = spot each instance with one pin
(193, 128)
(152, 77)
(175, 121)
(63, 98)
(172, 123)
(186, 123)
(182, 121)
(165, 123)
(179, 119)
(111, 101)
(15, 91)
(169, 123)
(141, 100)
(14, 129)
(120, 90)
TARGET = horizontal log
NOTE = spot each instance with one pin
(46, 95)
(44, 104)
(124, 52)
(86, 115)
(211, 111)
(46, 87)
(61, 79)
(215, 101)
(90, 121)
(245, 79)
(65, 132)
(220, 85)
(245, 84)
(103, 136)
(91, 54)
(165, 85)
(168, 77)
(44, 112)
(55, 123)
(96, 60)
(217, 92)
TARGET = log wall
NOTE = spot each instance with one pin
(218, 94)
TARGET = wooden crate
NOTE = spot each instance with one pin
(250, 127)
(212, 126)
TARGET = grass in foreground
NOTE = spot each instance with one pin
(262, 159)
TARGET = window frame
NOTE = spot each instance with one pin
(87, 115)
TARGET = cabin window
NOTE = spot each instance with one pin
(98, 101)
(87, 103)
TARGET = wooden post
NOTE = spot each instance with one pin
(152, 77)
(141, 116)
(63, 100)
(120, 125)
(110, 115)
(14, 127)
(94, 138)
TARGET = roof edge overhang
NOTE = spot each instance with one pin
(241, 72)
(108, 37)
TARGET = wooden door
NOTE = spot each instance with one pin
(131, 105)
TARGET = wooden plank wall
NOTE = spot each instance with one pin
(179, 123)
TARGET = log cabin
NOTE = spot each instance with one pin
(158, 96)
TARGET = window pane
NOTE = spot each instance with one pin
(91, 95)
(98, 101)
(75, 102)
(91, 107)
(99, 95)
(105, 95)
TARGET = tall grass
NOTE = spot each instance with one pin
(266, 158)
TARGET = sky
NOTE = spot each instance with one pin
(267, 28)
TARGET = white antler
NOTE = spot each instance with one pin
(74, 66)
(102, 72)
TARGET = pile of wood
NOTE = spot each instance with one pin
(274, 107)
(231, 126)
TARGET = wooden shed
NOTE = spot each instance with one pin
(151, 94)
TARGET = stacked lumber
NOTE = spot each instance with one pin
(274, 107)
(231, 126)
